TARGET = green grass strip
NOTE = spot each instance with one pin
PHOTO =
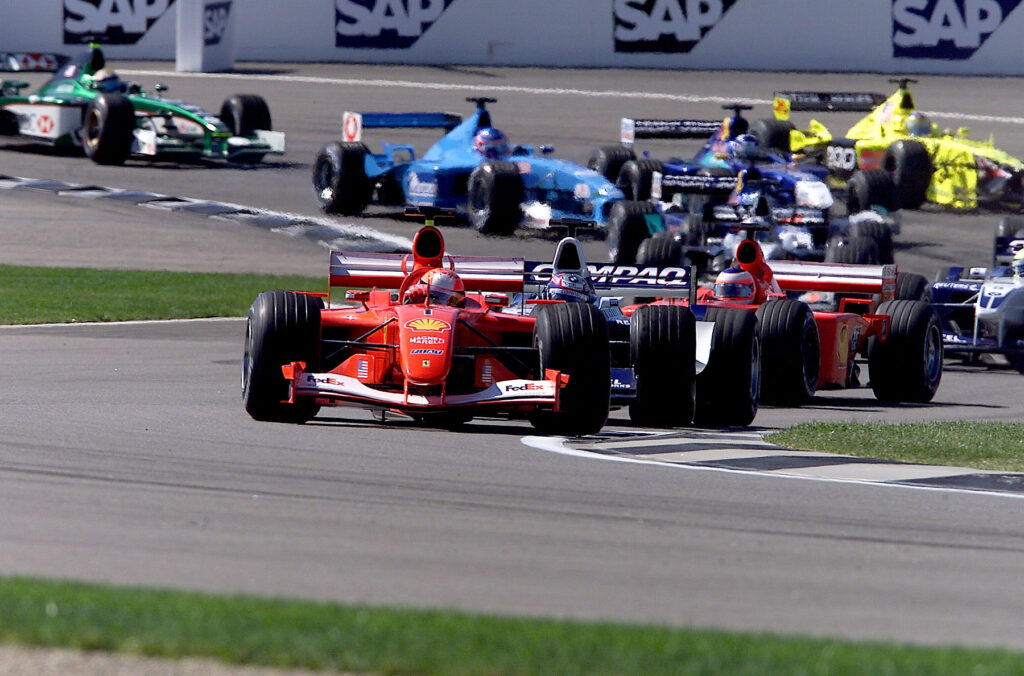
(30, 295)
(320, 636)
(980, 445)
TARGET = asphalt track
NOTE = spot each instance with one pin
(126, 456)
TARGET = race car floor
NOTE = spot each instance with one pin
(746, 451)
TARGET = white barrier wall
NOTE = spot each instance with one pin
(889, 36)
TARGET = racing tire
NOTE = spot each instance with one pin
(109, 129)
(859, 250)
(636, 176)
(772, 134)
(8, 123)
(243, 114)
(660, 250)
(911, 168)
(339, 178)
(696, 230)
(868, 188)
(628, 226)
(663, 352)
(878, 231)
(608, 160)
(907, 367)
(495, 198)
(283, 326)
(729, 387)
(791, 352)
(912, 286)
(573, 338)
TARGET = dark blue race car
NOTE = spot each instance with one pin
(472, 171)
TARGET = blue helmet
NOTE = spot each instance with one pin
(491, 143)
(918, 124)
(571, 287)
(745, 147)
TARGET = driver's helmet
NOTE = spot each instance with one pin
(106, 80)
(734, 284)
(491, 143)
(443, 286)
(918, 124)
(571, 287)
(1018, 263)
(745, 147)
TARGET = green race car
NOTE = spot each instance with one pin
(86, 105)
(895, 157)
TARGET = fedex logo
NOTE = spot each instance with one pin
(668, 26)
(116, 22)
(384, 24)
(945, 29)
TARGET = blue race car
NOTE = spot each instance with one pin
(472, 171)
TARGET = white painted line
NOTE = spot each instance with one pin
(881, 471)
(705, 454)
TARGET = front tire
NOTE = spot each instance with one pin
(608, 160)
(868, 188)
(495, 198)
(339, 178)
(573, 338)
(911, 169)
(243, 114)
(109, 129)
(283, 327)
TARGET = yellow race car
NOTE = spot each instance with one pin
(895, 157)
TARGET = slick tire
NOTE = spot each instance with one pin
(881, 233)
(908, 366)
(628, 226)
(729, 387)
(495, 198)
(573, 338)
(662, 351)
(773, 135)
(791, 352)
(911, 168)
(608, 160)
(109, 129)
(870, 188)
(339, 178)
(636, 177)
(660, 250)
(912, 286)
(283, 327)
(243, 114)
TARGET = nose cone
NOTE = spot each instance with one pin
(426, 341)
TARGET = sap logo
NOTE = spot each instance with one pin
(384, 24)
(215, 22)
(116, 22)
(665, 25)
(945, 29)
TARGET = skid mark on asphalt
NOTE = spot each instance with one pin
(329, 233)
(746, 452)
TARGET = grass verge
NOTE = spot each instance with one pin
(30, 295)
(244, 630)
(981, 445)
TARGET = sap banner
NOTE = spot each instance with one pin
(890, 36)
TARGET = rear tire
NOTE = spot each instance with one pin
(791, 352)
(912, 286)
(495, 198)
(662, 351)
(109, 129)
(881, 233)
(729, 387)
(339, 178)
(859, 250)
(661, 250)
(772, 134)
(908, 366)
(608, 160)
(636, 177)
(911, 169)
(283, 327)
(573, 338)
(629, 225)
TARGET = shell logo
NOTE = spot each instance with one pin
(427, 324)
(843, 345)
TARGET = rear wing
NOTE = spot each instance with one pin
(783, 102)
(663, 186)
(15, 62)
(835, 277)
(623, 280)
(631, 129)
(353, 123)
(387, 271)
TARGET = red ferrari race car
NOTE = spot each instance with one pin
(417, 343)
(804, 350)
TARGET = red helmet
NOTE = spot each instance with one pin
(734, 284)
(443, 286)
